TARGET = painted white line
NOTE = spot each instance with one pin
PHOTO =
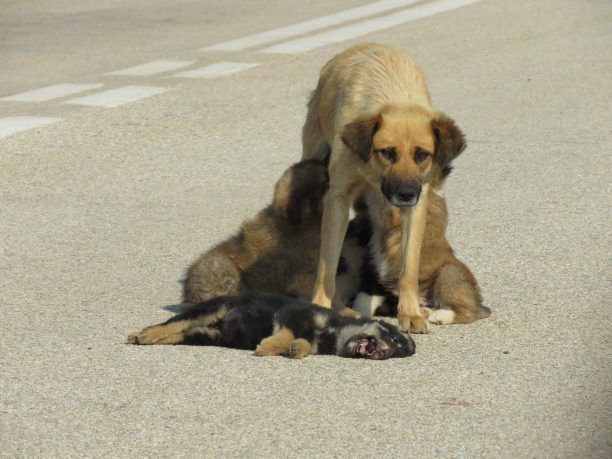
(308, 26)
(52, 92)
(216, 70)
(152, 68)
(117, 97)
(14, 124)
(366, 27)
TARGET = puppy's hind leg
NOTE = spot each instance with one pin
(277, 344)
(166, 333)
(201, 336)
(456, 293)
(182, 332)
(197, 325)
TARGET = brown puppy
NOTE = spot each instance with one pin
(393, 149)
(445, 283)
(276, 251)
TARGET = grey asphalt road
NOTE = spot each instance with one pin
(101, 212)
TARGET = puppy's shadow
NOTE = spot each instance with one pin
(175, 308)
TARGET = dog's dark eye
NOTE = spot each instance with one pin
(394, 339)
(420, 155)
(389, 154)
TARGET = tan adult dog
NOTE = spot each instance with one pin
(390, 147)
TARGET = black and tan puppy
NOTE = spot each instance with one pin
(276, 251)
(278, 325)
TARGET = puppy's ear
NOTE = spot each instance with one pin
(358, 136)
(294, 209)
(283, 194)
(450, 141)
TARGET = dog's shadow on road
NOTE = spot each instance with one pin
(175, 308)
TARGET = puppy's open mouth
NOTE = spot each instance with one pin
(366, 347)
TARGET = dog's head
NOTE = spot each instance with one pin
(375, 339)
(407, 147)
(299, 192)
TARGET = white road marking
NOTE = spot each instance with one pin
(216, 70)
(14, 124)
(52, 92)
(117, 97)
(363, 28)
(308, 26)
(152, 68)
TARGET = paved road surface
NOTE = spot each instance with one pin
(106, 198)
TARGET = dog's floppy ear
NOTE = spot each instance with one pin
(358, 135)
(450, 141)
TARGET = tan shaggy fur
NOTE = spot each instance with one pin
(277, 251)
(373, 109)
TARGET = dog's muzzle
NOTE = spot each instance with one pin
(401, 194)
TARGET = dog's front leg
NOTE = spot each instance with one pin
(336, 206)
(413, 228)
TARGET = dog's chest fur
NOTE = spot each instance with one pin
(386, 241)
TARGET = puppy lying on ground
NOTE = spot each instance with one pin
(277, 251)
(278, 325)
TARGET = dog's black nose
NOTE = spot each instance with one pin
(405, 195)
(401, 193)
(408, 197)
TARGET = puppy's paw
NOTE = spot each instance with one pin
(133, 339)
(157, 334)
(299, 349)
(142, 337)
(264, 351)
(442, 317)
(413, 324)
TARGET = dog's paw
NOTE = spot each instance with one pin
(299, 349)
(414, 324)
(441, 317)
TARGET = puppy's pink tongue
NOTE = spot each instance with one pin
(362, 346)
